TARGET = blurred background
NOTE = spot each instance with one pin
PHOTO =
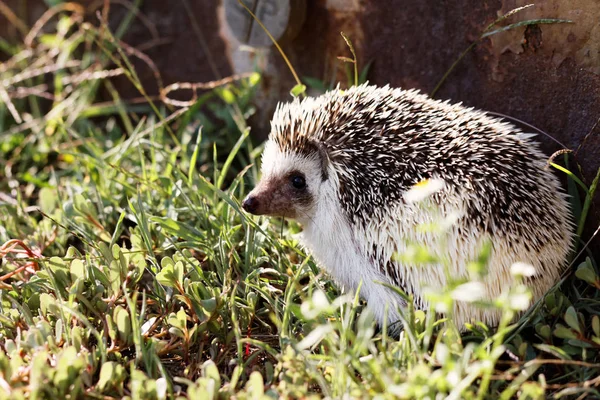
(545, 74)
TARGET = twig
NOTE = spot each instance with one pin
(32, 73)
(13, 19)
(151, 26)
(11, 107)
(195, 87)
(51, 12)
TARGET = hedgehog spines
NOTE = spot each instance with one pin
(373, 144)
(386, 140)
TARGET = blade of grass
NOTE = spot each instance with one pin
(587, 203)
(230, 158)
(540, 21)
(354, 60)
(194, 158)
(572, 176)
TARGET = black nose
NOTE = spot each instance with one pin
(250, 204)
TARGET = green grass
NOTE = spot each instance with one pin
(128, 268)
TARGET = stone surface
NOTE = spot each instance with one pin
(283, 19)
(519, 74)
(312, 52)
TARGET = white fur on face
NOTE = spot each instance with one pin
(277, 164)
(328, 234)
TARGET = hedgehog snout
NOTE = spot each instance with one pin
(276, 197)
(261, 200)
(251, 204)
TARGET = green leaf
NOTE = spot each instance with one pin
(105, 251)
(177, 332)
(48, 304)
(253, 79)
(227, 96)
(571, 175)
(123, 323)
(115, 277)
(83, 206)
(77, 336)
(585, 271)
(543, 330)
(563, 332)
(112, 328)
(210, 371)
(37, 376)
(77, 269)
(255, 385)
(166, 261)
(210, 305)
(48, 200)
(182, 318)
(362, 78)
(112, 374)
(167, 276)
(231, 156)
(315, 83)
(179, 270)
(555, 351)
(194, 158)
(175, 321)
(100, 276)
(298, 90)
(68, 366)
(123, 264)
(139, 266)
(580, 343)
(60, 270)
(572, 319)
(58, 331)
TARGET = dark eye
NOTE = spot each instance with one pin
(298, 182)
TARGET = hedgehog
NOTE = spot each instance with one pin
(343, 164)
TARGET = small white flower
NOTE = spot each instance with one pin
(161, 388)
(453, 378)
(315, 336)
(423, 189)
(450, 220)
(442, 353)
(318, 304)
(469, 292)
(519, 301)
(522, 269)
(442, 307)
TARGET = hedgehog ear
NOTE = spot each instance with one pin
(324, 162)
(324, 158)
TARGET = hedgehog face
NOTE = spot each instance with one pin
(290, 184)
